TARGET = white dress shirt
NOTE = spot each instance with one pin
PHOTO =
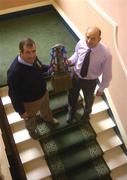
(100, 62)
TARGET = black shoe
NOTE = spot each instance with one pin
(85, 117)
(34, 134)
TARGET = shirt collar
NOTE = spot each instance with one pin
(95, 48)
(20, 60)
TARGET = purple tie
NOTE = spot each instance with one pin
(85, 64)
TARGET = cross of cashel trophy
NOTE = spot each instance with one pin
(61, 80)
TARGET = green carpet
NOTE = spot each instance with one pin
(71, 150)
(45, 28)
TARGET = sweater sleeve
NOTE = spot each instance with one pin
(13, 85)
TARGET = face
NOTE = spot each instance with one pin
(92, 37)
(29, 54)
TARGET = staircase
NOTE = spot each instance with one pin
(32, 155)
(30, 151)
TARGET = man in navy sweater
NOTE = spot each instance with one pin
(27, 87)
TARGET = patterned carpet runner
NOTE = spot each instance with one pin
(71, 150)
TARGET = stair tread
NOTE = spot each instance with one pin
(59, 101)
(101, 122)
(120, 173)
(90, 172)
(4, 91)
(12, 116)
(9, 108)
(99, 105)
(15, 127)
(115, 158)
(6, 100)
(108, 139)
(21, 136)
(65, 139)
(77, 156)
(29, 150)
(37, 169)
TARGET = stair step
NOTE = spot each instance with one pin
(93, 170)
(29, 150)
(9, 108)
(101, 121)
(99, 105)
(120, 173)
(80, 155)
(108, 140)
(4, 95)
(58, 101)
(12, 116)
(21, 136)
(18, 126)
(115, 158)
(4, 91)
(65, 139)
(6, 100)
(37, 169)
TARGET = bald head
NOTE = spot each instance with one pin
(93, 36)
(94, 30)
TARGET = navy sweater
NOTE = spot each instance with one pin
(26, 83)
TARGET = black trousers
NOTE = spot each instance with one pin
(88, 88)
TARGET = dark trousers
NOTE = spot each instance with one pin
(88, 88)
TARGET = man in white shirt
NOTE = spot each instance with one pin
(100, 63)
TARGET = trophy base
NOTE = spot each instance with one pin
(61, 82)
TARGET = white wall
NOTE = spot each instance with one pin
(117, 10)
(85, 13)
